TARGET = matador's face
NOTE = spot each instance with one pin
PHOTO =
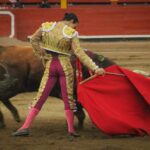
(73, 25)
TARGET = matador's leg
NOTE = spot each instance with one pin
(66, 83)
(45, 88)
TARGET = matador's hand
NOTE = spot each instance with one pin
(99, 71)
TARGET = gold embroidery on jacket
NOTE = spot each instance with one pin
(69, 32)
(68, 70)
(56, 41)
(43, 83)
(48, 26)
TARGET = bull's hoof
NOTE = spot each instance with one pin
(73, 135)
(21, 132)
(81, 117)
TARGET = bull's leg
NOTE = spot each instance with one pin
(80, 116)
(2, 124)
(12, 109)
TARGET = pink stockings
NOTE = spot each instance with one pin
(70, 120)
(33, 112)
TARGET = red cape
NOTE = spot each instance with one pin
(118, 104)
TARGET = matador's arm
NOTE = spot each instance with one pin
(35, 41)
(84, 58)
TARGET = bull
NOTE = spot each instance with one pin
(21, 71)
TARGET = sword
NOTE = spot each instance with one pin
(116, 74)
(95, 75)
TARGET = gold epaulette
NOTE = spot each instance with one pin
(69, 32)
(48, 26)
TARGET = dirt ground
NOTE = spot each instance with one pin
(49, 130)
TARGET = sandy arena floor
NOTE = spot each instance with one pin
(49, 130)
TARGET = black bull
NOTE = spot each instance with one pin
(21, 71)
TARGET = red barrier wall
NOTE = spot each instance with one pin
(5, 24)
(94, 20)
(77, 1)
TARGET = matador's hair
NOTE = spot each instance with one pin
(71, 16)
